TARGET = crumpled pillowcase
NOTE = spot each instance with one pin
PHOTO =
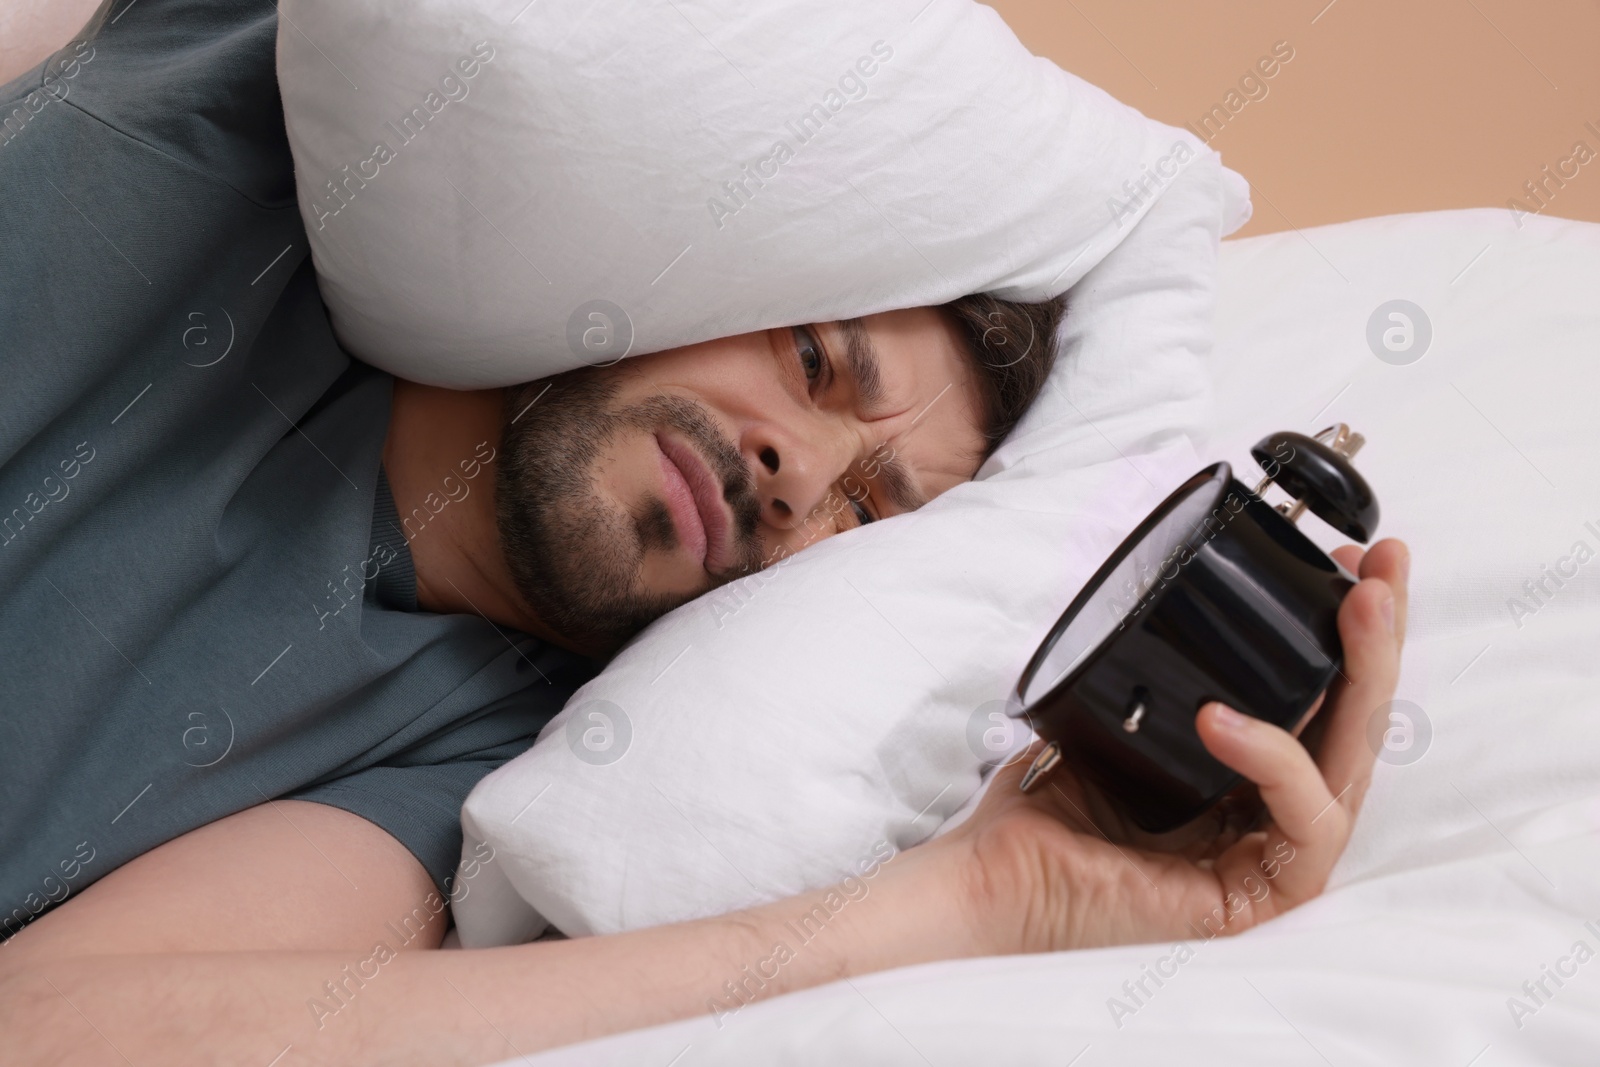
(494, 195)
(792, 733)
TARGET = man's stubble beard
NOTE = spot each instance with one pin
(575, 558)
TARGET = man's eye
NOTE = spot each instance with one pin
(863, 516)
(810, 352)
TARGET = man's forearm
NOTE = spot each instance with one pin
(477, 1006)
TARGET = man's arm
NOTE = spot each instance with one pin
(32, 29)
(224, 941)
(286, 875)
(1018, 876)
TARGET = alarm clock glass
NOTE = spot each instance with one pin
(1119, 590)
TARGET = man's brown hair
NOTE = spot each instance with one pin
(1013, 347)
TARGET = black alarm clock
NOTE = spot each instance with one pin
(1217, 595)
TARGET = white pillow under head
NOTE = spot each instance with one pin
(799, 726)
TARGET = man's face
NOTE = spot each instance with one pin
(627, 490)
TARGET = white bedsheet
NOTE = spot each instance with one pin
(1475, 868)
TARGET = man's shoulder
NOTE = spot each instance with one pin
(193, 79)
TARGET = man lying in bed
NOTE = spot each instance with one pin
(269, 614)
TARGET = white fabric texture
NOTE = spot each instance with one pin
(474, 177)
(784, 729)
(1474, 869)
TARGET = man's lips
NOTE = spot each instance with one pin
(694, 496)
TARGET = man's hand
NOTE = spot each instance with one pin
(1057, 869)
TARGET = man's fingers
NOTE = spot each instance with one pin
(1389, 560)
(1371, 669)
(1291, 785)
(1349, 557)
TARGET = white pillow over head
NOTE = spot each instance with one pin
(801, 725)
(496, 192)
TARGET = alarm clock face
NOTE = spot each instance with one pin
(1215, 596)
(1116, 594)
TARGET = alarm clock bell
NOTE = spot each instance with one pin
(1217, 595)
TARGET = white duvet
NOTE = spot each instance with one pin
(1462, 927)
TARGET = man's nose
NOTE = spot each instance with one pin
(794, 471)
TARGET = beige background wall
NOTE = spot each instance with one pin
(1404, 105)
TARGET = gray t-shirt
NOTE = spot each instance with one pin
(205, 595)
